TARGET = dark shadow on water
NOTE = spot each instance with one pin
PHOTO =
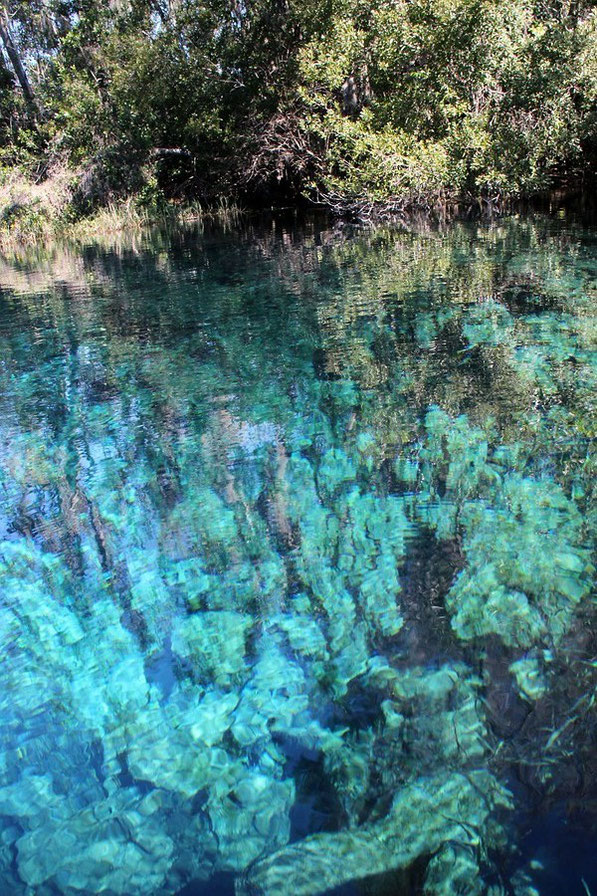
(221, 884)
(317, 807)
(563, 853)
(159, 669)
(403, 882)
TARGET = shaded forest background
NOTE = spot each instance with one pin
(356, 105)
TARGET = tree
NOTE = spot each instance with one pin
(14, 56)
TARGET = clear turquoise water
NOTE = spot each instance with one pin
(296, 534)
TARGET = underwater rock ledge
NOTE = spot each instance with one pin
(423, 816)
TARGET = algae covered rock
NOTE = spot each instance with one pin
(530, 677)
(421, 818)
(214, 643)
(114, 845)
(453, 871)
(249, 813)
(527, 568)
(526, 564)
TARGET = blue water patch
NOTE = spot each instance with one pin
(560, 852)
(297, 530)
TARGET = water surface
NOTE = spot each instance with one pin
(296, 529)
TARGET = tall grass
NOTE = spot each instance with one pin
(129, 215)
(32, 212)
(31, 209)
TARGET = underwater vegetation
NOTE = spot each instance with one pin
(296, 577)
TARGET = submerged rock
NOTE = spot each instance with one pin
(423, 816)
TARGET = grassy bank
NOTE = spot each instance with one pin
(32, 211)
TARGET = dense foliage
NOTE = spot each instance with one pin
(355, 104)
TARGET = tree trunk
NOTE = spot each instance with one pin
(157, 7)
(15, 59)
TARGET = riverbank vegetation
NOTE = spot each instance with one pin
(146, 106)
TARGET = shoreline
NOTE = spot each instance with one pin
(31, 214)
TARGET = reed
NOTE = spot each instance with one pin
(32, 212)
